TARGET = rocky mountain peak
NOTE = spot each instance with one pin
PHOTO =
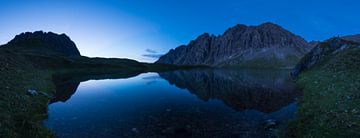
(204, 36)
(239, 45)
(235, 29)
(272, 28)
(269, 25)
(47, 43)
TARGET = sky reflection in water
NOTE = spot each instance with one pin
(197, 103)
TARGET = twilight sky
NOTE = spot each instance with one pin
(134, 28)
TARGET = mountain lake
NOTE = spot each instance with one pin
(182, 103)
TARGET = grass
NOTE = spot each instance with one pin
(21, 114)
(331, 103)
(270, 62)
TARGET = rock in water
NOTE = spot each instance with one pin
(264, 46)
(43, 43)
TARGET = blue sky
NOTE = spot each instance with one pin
(133, 28)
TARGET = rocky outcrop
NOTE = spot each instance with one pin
(265, 46)
(355, 38)
(43, 43)
(322, 52)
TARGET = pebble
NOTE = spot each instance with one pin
(270, 124)
(32, 92)
(45, 94)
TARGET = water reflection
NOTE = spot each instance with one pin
(67, 83)
(201, 103)
(263, 90)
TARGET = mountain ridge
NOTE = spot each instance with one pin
(239, 46)
(43, 43)
(355, 38)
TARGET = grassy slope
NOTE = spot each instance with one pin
(331, 103)
(21, 114)
(269, 62)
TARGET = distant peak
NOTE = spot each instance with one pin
(38, 34)
(269, 25)
(230, 47)
(45, 43)
(335, 41)
(203, 36)
(236, 28)
(240, 26)
(355, 38)
(266, 25)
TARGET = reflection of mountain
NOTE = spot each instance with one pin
(266, 91)
(67, 83)
(65, 88)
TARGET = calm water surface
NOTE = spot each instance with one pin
(192, 103)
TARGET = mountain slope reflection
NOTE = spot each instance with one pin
(263, 90)
(67, 83)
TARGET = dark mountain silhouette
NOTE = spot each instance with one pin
(47, 50)
(43, 43)
(265, 46)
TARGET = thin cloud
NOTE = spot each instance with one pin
(152, 55)
(151, 51)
